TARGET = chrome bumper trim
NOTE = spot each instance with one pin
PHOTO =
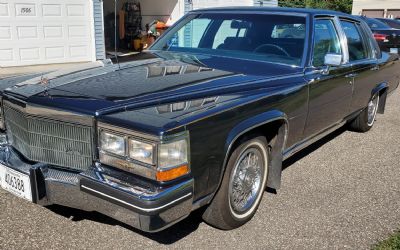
(137, 207)
(148, 209)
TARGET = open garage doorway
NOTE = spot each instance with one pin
(133, 25)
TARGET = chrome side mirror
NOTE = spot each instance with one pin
(333, 59)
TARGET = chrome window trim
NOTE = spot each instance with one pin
(343, 40)
(339, 34)
(367, 44)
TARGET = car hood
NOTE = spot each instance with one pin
(151, 79)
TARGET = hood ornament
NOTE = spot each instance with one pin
(44, 81)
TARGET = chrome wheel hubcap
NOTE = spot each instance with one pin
(372, 110)
(246, 180)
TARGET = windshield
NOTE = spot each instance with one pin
(272, 38)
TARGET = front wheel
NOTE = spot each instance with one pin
(242, 187)
(366, 119)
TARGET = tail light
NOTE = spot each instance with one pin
(380, 37)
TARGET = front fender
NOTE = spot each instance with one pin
(276, 152)
(251, 123)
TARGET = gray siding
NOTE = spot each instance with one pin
(99, 29)
(188, 29)
(266, 3)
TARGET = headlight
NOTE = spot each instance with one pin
(112, 143)
(172, 160)
(161, 159)
(141, 151)
(172, 154)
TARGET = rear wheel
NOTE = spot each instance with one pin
(242, 187)
(366, 119)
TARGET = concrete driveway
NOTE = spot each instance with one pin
(343, 192)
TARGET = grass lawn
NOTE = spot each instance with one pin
(389, 244)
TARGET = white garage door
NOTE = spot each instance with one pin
(45, 31)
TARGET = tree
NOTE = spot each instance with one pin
(338, 5)
(292, 3)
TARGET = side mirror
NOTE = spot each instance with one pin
(333, 59)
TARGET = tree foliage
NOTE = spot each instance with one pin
(338, 5)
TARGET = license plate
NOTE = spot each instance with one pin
(15, 182)
(394, 50)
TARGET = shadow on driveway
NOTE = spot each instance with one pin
(167, 236)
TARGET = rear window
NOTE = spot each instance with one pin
(392, 23)
(375, 24)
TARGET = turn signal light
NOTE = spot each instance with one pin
(380, 37)
(172, 173)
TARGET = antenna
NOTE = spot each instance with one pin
(115, 33)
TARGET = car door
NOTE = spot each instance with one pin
(330, 91)
(363, 61)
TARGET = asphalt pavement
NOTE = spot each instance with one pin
(342, 192)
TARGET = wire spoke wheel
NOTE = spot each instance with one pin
(246, 180)
(372, 110)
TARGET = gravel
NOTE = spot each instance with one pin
(342, 192)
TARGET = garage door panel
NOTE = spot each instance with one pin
(77, 31)
(25, 10)
(53, 32)
(5, 32)
(51, 10)
(29, 54)
(54, 52)
(45, 31)
(6, 55)
(27, 32)
(74, 10)
(4, 9)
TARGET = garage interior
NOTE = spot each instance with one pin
(136, 23)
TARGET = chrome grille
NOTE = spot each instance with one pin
(49, 141)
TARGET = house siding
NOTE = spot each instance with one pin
(360, 6)
(99, 29)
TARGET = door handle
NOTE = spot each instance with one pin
(351, 75)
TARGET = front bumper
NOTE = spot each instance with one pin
(126, 199)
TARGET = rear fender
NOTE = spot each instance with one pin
(382, 90)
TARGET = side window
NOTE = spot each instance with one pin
(358, 49)
(289, 31)
(326, 40)
(186, 37)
